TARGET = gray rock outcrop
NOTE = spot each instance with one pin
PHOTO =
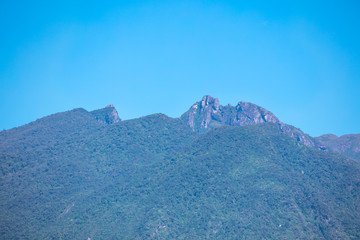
(208, 114)
(107, 115)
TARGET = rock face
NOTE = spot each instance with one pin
(348, 145)
(107, 115)
(208, 114)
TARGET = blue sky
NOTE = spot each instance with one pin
(300, 61)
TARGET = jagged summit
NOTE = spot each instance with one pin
(209, 100)
(107, 114)
(208, 114)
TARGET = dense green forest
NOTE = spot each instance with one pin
(80, 175)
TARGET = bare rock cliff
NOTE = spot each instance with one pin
(208, 114)
(107, 115)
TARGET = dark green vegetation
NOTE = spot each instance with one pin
(80, 174)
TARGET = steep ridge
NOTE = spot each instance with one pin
(107, 115)
(208, 114)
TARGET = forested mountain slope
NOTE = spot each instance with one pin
(79, 175)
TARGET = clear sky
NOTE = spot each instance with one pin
(301, 61)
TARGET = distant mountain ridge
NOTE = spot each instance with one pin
(347, 145)
(86, 174)
(208, 114)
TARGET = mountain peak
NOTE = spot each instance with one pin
(107, 114)
(208, 114)
(208, 100)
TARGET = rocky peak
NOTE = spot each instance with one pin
(107, 115)
(207, 100)
(208, 114)
(249, 113)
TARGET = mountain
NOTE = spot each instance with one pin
(347, 145)
(208, 114)
(107, 115)
(56, 127)
(254, 182)
(76, 175)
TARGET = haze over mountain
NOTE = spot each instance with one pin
(348, 145)
(217, 172)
